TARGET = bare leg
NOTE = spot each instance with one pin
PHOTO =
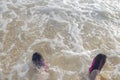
(41, 75)
(93, 74)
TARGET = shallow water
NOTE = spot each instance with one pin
(68, 33)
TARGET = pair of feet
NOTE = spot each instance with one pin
(96, 66)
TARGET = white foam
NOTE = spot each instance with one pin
(1, 69)
(25, 28)
(22, 69)
(11, 47)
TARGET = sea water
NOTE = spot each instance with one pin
(68, 33)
